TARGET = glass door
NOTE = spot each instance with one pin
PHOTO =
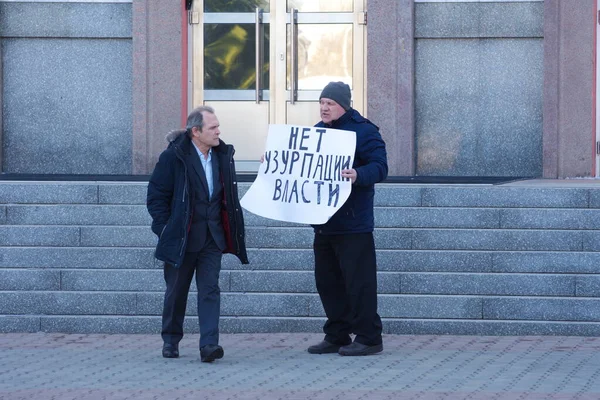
(261, 62)
(325, 43)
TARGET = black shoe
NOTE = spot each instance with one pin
(324, 348)
(170, 350)
(359, 349)
(211, 352)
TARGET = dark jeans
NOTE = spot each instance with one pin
(346, 277)
(206, 263)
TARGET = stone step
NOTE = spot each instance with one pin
(385, 217)
(492, 284)
(396, 195)
(484, 259)
(302, 260)
(301, 238)
(77, 214)
(580, 309)
(406, 326)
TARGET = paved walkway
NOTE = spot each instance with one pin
(276, 366)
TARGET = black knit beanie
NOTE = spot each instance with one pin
(338, 92)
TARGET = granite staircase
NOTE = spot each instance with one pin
(77, 257)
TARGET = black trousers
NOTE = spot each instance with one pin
(346, 277)
(206, 263)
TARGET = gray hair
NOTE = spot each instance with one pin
(196, 118)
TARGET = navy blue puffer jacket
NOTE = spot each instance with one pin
(370, 163)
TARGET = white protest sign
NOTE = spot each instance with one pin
(300, 179)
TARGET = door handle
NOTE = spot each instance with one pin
(259, 53)
(294, 57)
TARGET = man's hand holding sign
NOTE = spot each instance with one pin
(306, 175)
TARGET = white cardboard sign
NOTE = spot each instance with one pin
(300, 179)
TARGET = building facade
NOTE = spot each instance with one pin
(459, 88)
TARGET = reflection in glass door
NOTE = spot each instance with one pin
(261, 62)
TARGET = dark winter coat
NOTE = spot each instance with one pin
(169, 200)
(370, 163)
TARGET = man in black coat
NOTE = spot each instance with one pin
(193, 201)
(345, 264)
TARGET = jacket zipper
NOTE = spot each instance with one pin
(233, 205)
(185, 190)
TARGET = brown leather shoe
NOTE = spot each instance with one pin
(359, 349)
(211, 352)
(324, 348)
(170, 350)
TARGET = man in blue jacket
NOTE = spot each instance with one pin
(193, 201)
(344, 249)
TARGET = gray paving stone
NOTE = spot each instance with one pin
(2, 215)
(48, 193)
(72, 257)
(591, 241)
(117, 236)
(542, 309)
(396, 217)
(550, 219)
(88, 366)
(434, 261)
(78, 215)
(19, 324)
(29, 279)
(39, 236)
(538, 240)
(123, 193)
(488, 284)
(547, 262)
(393, 195)
(500, 196)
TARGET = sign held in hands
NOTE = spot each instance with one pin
(300, 179)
